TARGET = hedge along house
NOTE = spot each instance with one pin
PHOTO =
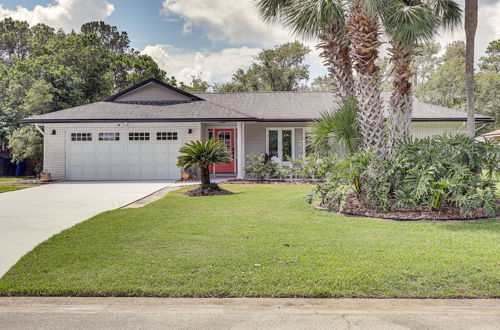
(136, 134)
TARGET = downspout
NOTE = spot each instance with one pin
(40, 130)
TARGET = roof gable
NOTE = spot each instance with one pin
(150, 91)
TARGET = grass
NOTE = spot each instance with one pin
(264, 241)
(8, 183)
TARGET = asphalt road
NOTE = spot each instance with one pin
(247, 313)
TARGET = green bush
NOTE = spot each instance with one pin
(312, 166)
(429, 172)
(261, 167)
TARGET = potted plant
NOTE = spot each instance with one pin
(185, 175)
(45, 176)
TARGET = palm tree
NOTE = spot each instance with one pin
(203, 154)
(470, 33)
(363, 30)
(322, 19)
(408, 23)
(337, 132)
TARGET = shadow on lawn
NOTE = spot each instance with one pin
(491, 225)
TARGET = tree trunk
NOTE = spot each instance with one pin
(336, 58)
(470, 33)
(205, 177)
(364, 32)
(401, 102)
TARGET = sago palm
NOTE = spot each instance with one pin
(203, 154)
(408, 23)
(322, 19)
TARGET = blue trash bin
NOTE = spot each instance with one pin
(20, 168)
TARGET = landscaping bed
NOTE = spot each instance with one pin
(199, 192)
(353, 206)
(275, 181)
(264, 241)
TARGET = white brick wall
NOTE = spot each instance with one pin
(55, 145)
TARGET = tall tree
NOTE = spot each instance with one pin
(323, 20)
(425, 61)
(447, 85)
(279, 69)
(409, 23)
(470, 35)
(364, 32)
(491, 60)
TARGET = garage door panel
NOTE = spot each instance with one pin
(121, 160)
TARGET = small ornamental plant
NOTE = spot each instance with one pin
(202, 154)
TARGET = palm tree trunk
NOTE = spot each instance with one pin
(336, 58)
(364, 32)
(401, 102)
(205, 177)
(470, 33)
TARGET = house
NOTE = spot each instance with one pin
(136, 134)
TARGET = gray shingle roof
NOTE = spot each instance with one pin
(120, 111)
(247, 106)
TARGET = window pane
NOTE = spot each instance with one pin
(287, 144)
(273, 143)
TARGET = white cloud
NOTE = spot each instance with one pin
(236, 21)
(65, 14)
(488, 28)
(213, 67)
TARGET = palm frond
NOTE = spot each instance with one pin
(337, 132)
(304, 18)
(411, 24)
(203, 153)
(448, 11)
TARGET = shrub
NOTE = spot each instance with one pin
(429, 172)
(312, 166)
(261, 167)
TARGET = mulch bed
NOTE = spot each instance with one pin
(29, 182)
(298, 181)
(198, 192)
(353, 206)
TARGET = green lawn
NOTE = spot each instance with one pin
(8, 183)
(264, 241)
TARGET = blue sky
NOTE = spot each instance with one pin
(211, 38)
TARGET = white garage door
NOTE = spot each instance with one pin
(130, 155)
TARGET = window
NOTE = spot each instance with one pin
(3, 145)
(166, 136)
(81, 136)
(109, 136)
(138, 136)
(280, 143)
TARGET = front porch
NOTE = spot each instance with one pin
(283, 140)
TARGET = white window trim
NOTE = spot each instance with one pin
(280, 141)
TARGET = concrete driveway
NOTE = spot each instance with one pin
(30, 216)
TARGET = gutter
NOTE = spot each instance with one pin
(247, 119)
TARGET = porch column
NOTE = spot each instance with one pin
(240, 153)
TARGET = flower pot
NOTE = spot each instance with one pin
(45, 177)
(185, 176)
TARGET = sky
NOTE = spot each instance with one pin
(209, 38)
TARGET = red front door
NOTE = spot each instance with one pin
(226, 136)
